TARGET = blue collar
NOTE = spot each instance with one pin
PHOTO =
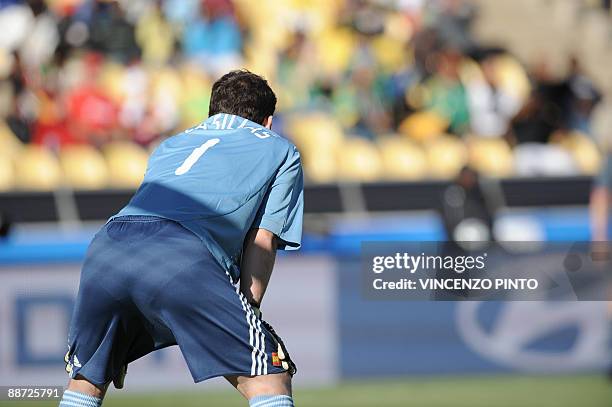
(226, 121)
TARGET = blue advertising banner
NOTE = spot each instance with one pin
(394, 337)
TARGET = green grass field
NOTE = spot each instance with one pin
(480, 391)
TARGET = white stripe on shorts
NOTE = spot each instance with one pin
(263, 348)
(259, 358)
(260, 344)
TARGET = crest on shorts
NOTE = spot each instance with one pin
(275, 359)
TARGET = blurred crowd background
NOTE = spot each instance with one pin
(368, 90)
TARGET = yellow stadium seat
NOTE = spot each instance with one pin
(127, 163)
(261, 59)
(359, 160)
(37, 169)
(10, 148)
(321, 167)
(417, 96)
(7, 173)
(6, 63)
(389, 52)
(446, 156)
(194, 82)
(584, 152)
(196, 95)
(155, 36)
(9, 144)
(320, 139)
(490, 156)
(470, 71)
(111, 79)
(423, 126)
(335, 50)
(83, 167)
(165, 81)
(512, 77)
(402, 159)
(274, 34)
(315, 133)
(398, 27)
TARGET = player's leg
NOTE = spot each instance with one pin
(268, 390)
(81, 393)
(106, 331)
(218, 332)
(273, 390)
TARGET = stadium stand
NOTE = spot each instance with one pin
(368, 90)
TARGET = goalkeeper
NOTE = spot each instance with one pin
(188, 260)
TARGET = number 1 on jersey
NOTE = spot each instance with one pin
(195, 156)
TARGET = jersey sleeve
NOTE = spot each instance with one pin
(281, 211)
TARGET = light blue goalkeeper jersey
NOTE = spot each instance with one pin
(222, 178)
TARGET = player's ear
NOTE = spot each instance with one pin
(268, 123)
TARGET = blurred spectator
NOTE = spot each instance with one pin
(491, 105)
(468, 219)
(464, 209)
(536, 121)
(454, 22)
(111, 33)
(155, 35)
(213, 38)
(29, 28)
(42, 37)
(554, 109)
(582, 97)
(91, 113)
(531, 130)
(179, 12)
(447, 94)
(295, 74)
(15, 119)
(368, 95)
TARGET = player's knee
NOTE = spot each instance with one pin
(81, 385)
(253, 386)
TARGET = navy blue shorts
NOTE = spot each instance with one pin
(148, 283)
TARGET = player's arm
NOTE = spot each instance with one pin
(599, 208)
(277, 225)
(258, 258)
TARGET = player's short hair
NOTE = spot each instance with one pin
(244, 94)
